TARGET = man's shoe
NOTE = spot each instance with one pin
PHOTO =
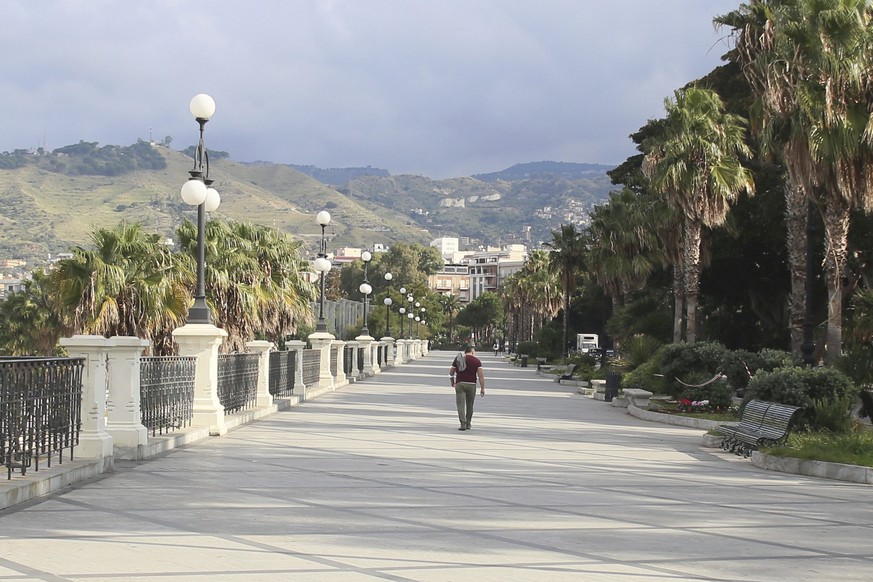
(463, 427)
(469, 427)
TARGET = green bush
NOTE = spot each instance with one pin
(645, 377)
(718, 393)
(637, 350)
(532, 349)
(681, 361)
(833, 415)
(800, 386)
(740, 366)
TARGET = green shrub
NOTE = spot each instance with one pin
(718, 393)
(834, 415)
(740, 366)
(637, 350)
(529, 348)
(681, 361)
(645, 377)
(800, 386)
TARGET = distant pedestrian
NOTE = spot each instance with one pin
(466, 368)
(496, 348)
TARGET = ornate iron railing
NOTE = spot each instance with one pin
(283, 366)
(348, 361)
(40, 410)
(311, 367)
(166, 391)
(334, 360)
(237, 381)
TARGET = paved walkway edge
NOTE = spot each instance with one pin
(61, 475)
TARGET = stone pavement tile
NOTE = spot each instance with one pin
(556, 572)
(829, 539)
(770, 568)
(124, 556)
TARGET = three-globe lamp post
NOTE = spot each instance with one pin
(198, 191)
(388, 277)
(322, 266)
(366, 289)
(402, 311)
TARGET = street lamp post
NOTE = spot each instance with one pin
(198, 191)
(322, 265)
(366, 289)
(388, 277)
(410, 298)
(402, 310)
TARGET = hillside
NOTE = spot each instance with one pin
(51, 202)
(493, 211)
(45, 212)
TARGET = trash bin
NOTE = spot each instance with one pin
(613, 383)
(524, 360)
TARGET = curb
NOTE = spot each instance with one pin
(791, 465)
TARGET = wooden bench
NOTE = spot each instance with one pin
(773, 431)
(751, 420)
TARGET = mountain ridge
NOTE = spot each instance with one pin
(45, 211)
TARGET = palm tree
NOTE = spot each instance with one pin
(30, 320)
(128, 284)
(696, 165)
(812, 63)
(567, 253)
(622, 245)
(450, 305)
(254, 280)
(773, 77)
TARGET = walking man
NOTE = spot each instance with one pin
(466, 368)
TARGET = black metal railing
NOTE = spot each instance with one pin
(283, 366)
(334, 361)
(237, 381)
(166, 392)
(348, 360)
(40, 410)
(361, 358)
(311, 367)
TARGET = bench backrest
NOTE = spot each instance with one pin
(779, 416)
(571, 369)
(755, 412)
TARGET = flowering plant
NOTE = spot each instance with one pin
(686, 405)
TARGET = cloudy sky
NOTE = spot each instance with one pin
(440, 88)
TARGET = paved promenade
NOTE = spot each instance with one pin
(374, 482)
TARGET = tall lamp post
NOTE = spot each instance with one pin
(410, 298)
(388, 277)
(322, 265)
(422, 315)
(198, 191)
(402, 310)
(366, 289)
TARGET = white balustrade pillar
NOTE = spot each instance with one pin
(202, 341)
(340, 378)
(124, 413)
(94, 441)
(390, 348)
(298, 346)
(321, 342)
(262, 348)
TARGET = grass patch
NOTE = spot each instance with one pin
(851, 448)
(670, 408)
